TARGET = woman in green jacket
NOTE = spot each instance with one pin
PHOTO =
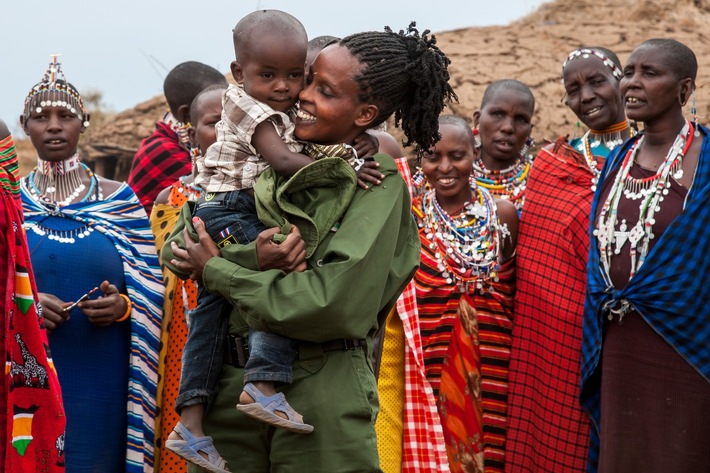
(334, 301)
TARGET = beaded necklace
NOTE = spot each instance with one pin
(610, 138)
(466, 245)
(189, 189)
(180, 128)
(509, 183)
(650, 192)
(57, 185)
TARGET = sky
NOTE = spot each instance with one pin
(125, 48)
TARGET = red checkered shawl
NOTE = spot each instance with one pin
(548, 432)
(160, 161)
(32, 429)
(423, 448)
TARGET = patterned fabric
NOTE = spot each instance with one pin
(232, 163)
(122, 220)
(466, 340)
(317, 151)
(9, 180)
(160, 161)
(671, 298)
(390, 389)
(422, 438)
(32, 429)
(547, 429)
(180, 296)
(455, 344)
(423, 447)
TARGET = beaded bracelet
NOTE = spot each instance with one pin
(129, 307)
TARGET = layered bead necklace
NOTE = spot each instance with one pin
(57, 185)
(649, 192)
(466, 245)
(509, 183)
(610, 138)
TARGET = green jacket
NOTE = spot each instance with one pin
(355, 273)
(314, 199)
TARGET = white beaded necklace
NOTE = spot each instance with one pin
(608, 140)
(650, 192)
(466, 244)
(59, 183)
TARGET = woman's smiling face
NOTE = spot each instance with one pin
(593, 93)
(330, 110)
(448, 166)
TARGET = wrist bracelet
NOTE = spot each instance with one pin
(129, 307)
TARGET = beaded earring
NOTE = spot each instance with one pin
(529, 143)
(694, 113)
(476, 138)
(418, 177)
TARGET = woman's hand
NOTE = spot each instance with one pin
(107, 308)
(289, 255)
(53, 311)
(193, 258)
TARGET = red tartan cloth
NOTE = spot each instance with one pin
(423, 448)
(33, 422)
(160, 161)
(548, 432)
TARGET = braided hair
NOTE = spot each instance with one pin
(404, 73)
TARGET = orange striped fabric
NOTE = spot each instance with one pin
(466, 340)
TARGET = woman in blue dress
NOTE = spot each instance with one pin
(87, 232)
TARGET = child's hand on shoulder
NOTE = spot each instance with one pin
(367, 145)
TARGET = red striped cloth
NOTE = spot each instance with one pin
(160, 161)
(548, 432)
(466, 342)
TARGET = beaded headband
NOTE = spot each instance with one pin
(55, 91)
(586, 52)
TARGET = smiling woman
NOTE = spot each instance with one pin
(324, 306)
(459, 317)
(551, 262)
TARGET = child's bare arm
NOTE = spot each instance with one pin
(366, 144)
(271, 147)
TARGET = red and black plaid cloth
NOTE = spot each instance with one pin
(547, 429)
(160, 161)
